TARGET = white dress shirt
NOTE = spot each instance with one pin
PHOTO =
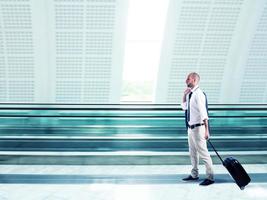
(198, 111)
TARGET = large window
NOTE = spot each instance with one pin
(145, 28)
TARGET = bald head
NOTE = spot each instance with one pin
(192, 79)
(195, 76)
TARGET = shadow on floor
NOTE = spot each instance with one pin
(116, 179)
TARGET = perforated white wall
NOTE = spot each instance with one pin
(217, 39)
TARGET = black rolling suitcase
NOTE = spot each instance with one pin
(235, 169)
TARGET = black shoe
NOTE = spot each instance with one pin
(206, 182)
(190, 178)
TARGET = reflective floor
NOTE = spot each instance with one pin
(105, 182)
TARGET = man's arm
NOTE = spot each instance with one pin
(183, 104)
(207, 132)
(187, 91)
(204, 113)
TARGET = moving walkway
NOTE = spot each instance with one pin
(57, 133)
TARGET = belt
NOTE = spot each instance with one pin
(195, 125)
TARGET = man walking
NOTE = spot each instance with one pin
(194, 103)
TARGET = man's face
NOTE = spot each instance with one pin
(190, 81)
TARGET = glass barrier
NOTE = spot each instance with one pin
(68, 127)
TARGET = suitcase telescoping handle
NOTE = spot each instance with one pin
(215, 151)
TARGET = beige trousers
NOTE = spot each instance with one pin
(198, 148)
